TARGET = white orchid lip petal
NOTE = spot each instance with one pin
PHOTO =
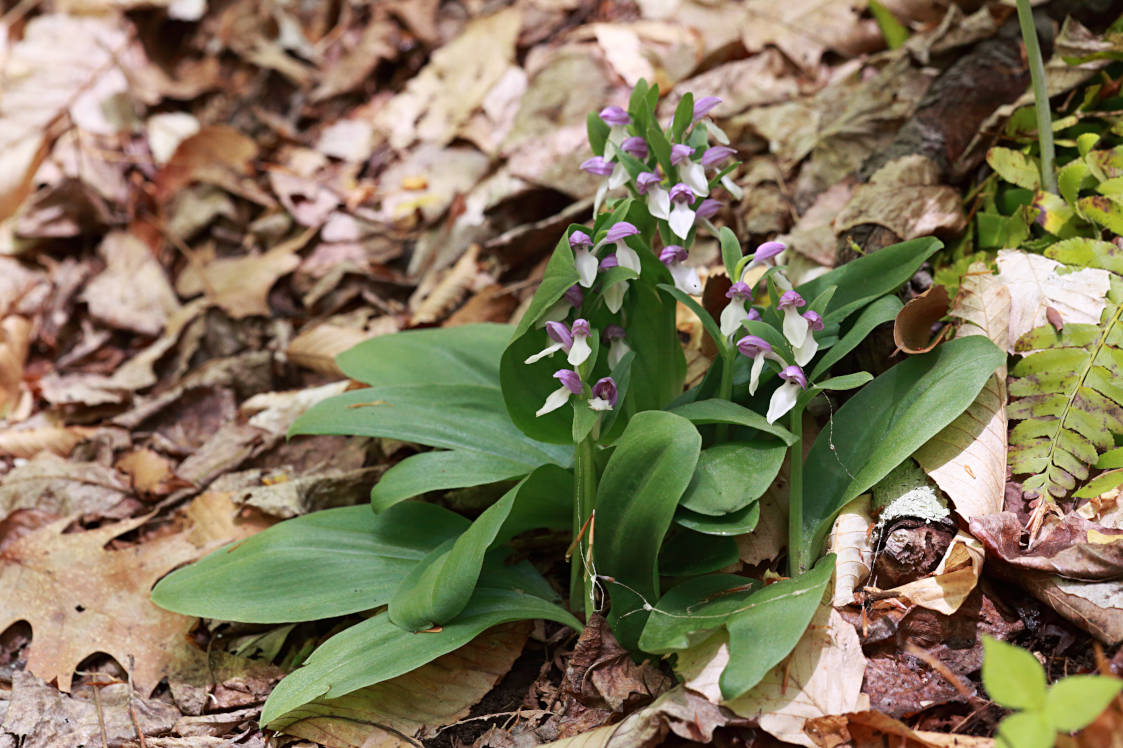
(795, 327)
(614, 296)
(783, 400)
(548, 350)
(659, 203)
(626, 257)
(681, 220)
(754, 373)
(580, 351)
(687, 279)
(586, 263)
(732, 316)
(555, 400)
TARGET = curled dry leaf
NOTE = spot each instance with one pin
(240, 285)
(27, 443)
(1074, 547)
(905, 196)
(211, 155)
(968, 458)
(148, 470)
(440, 292)
(850, 541)
(912, 329)
(1096, 607)
(316, 347)
(949, 584)
(15, 335)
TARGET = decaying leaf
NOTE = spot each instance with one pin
(968, 458)
(29, 442)
(316, 347)
(216, 154)
(907, 198)
(912, 329)
(806, 29)
(240, 285)
(148, 470)
(133, 292)
(1074, 547)
(15, 335)
(414, 704)
(80, 598)
(851, 542)
(822, 676)
(64, 487)
(949, 584)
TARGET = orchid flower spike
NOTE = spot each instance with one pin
(758, 350)
(583, 258)
(604, 394)
(795, 325)
(615, 335)
(571, 385)
(735, 313)
(658, 199)
(681, 217)
(579, 350)
(786, 395)
(625, 255)
(686, 277)
(563, 341)
(805, 352)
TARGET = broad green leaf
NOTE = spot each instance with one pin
(769, 625)
(1012, 676)
(325, 564)
(686, 553)
(376, 650)
(1015, 167)
(440, 471)
(468, 354)
(866, 278)
(636, 499)
(1072, 178)
(1025, 730)
(700, 312)
(597, 130)
(716, 410)
(1074, 702)
(741, 522)
(1105, 210)
(844, 382)
(560, 274)
(1083, 252)
(452, 416)
(887, 421)
(661, 148)
(436, 590)
(684, 115)
(730, 251)
(689, 611)
(660, 365)
(730, 476)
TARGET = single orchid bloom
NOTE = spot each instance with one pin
(758, 349)
(617, 119)
(604, 394)
(795, 324)
(704, 105)
(735, 313)
(786, 395)
(686, 277)
(635, 146)
(766, 254)
(579, 349)
(563, 341)
(714, 157)
(571, 299)
(649, 184)
(615, 116)
(598, 166)
(681, 217)
(571, 385)
(692, 173)
(708, 208)
(625, 255)
(615, 336)
(805, 352)
(583, 259)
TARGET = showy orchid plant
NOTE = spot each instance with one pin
(584, 404)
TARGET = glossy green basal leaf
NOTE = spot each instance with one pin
(467, 355)
(716, 410)
(659, 368)
(325, 564)
(639, 489)
(376, 650)
(1012, 676)
(740, 522)
(730, 476)
(689, 611)
(453, 416)
(866, 278)
(877, 313)
(1074, 702)
(686, 553)
(441, 471)
(886, 422)
(436, 590)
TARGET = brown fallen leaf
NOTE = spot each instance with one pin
(240, 285)
(52, 483)
(210, 155)
(15, 334)
(80, 598)
(805, 29)
(905, 196)
(149, 471)
(29, 442)
(316, 347)
(1074, 547)
(414, 704)
(852, 543)
(912, 329)
(133, 292)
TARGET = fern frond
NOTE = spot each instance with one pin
(1070, 402)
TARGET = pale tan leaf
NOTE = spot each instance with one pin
(968, 458)
(166, 131)
(906, 197)
(15, 334)
(146, 468)
(276, 411)
(441, 291)
(949, 584)
(316, 347)
(240, 285)
(433, 695)
(133, 292)
(822, 676)
(1035, 285)
(850, 541)
(27, 443)
(805, 29)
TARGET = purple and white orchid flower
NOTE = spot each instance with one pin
(626, 257)
(583, 259)
(692, 173)
(614, 294)
(603, 167)
(571, 385)
(649, 183)
(702, 107)
(635, 146)
(713, 157)
(571, 299)
(795, 324)
(681, 217)
(615, 336)
(758, 349)
(735, 313)
(686, 277)
(766, 254)
(579, 349)
(786, 395)
(617, 119)
(805, 352)
(563, 341)
(604, 394)
(708, 208)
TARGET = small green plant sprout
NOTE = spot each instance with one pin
(1014, 679)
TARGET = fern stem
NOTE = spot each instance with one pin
(1040, 95)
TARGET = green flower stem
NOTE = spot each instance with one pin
(725, 388)
(797, 561)
(1040, 95)
(585, 489)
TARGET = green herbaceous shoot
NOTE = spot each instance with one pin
(580, 412)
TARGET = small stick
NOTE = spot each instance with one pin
(132, 709)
